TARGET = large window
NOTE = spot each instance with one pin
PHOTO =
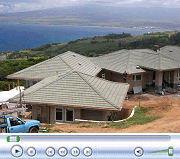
(59, 114)
(137, 78)
(178, 75)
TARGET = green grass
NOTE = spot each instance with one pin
(139, 118)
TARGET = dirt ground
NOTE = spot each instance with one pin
(167, 107)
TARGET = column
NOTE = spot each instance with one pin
(174, 78)
(158, 80)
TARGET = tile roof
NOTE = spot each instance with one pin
(80, 63)
(58, 65)
(127, 60)
(172, 52)
(120, 61)
(43, 69)
(78, 90)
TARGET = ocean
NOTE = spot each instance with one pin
(24, 36)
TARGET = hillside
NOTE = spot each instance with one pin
(99, 15)
(98, 45)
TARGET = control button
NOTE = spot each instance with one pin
(87, 151)
(138, 151)
(31, 151)
(50, 151)
(170, 151)
(13, 139)
(63, 151)
(17, 151)
(75, 152)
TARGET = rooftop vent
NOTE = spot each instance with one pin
(137, 67)
(79, 64)
(74, 55)
(170, 50)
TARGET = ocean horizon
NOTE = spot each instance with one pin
(16, 36)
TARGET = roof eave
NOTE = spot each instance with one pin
(23, 78)
(51, 104)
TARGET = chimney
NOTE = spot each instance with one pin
(156, 48)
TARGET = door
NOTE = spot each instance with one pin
(69, 115)
(16, 125)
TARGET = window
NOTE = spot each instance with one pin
(2, 121)
(34, 82)
(59, 114)
(178, 75)
(69, 115)
(136, 77)
(133, 78)
(15, 121)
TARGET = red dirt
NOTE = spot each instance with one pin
(168, 107)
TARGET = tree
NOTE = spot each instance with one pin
(120, 45)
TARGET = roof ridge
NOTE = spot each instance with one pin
(168, 57)
(129, 52)
(169, 46)
(34, 65)
(64, 60)
(56, 79)
(38, 64)
(159, 61)
(100, 78)
(97, 90)
(144, 49)
(112, 53)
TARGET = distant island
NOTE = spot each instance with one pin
(96, 15)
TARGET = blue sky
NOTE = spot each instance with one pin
(7, 6)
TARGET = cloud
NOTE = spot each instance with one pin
(30, 5)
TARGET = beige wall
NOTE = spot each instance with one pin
(111, 76)
(178, 82)
(77, 113)
(41, 113)
(158, 80)
(44, 111)
(134, 83)
(94, 115)
(147, 79)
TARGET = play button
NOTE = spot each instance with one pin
(17, 151)
(138, 151)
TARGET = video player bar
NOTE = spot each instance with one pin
(85, 146)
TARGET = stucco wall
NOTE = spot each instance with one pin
(40, 113)
(111, 76)
(52, 115)
(147, 79)
(94, 115)
(43, 112)
(134, 83)
(158, 80)
(77, 113)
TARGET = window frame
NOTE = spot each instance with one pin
(55, 114)
(178, 76)
(73, 114)
(134, 77)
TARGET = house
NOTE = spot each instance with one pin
(68, 86)
(142, 67)
(57, 65)
(74, 95)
